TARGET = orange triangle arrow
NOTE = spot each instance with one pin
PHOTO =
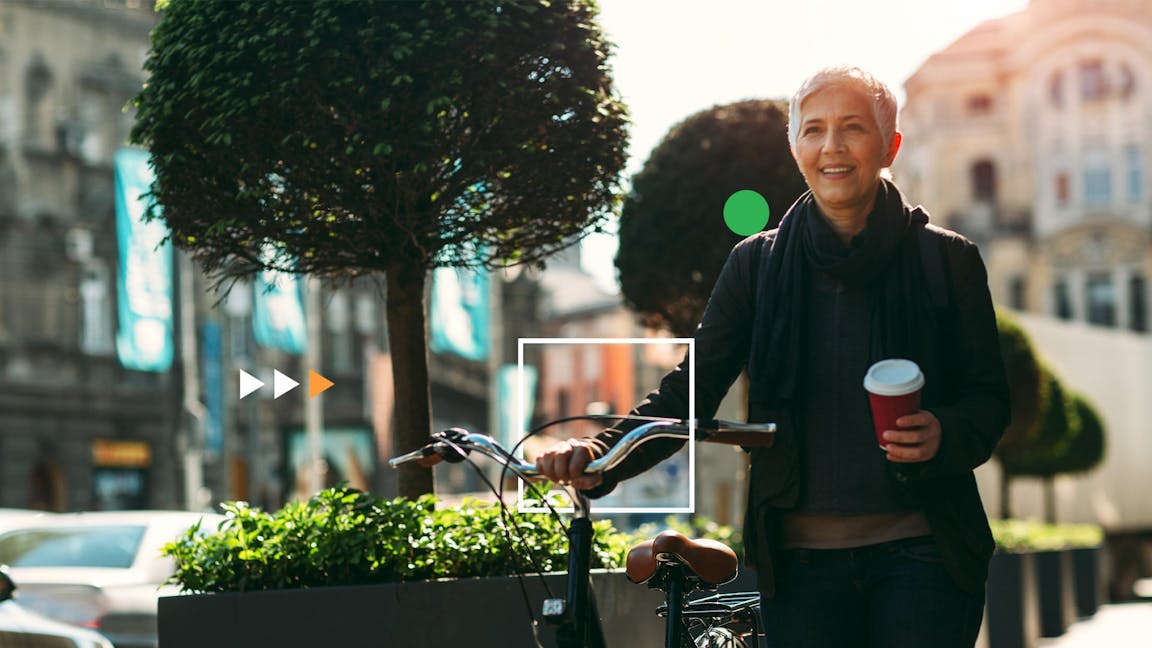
(317, 383)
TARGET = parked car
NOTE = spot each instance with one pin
(99, 570)
(23, 628)
(14, 518)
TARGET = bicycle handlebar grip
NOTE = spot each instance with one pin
(748, 435)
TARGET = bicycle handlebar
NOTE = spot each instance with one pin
(454, 444)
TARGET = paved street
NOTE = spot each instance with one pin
(1124, 625)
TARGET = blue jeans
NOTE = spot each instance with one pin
(890, 595)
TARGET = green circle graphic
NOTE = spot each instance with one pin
(746, 212)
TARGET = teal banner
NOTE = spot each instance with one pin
(516, 395)
(212, 370)
(458, 316)
(278, 312)
(144, 272)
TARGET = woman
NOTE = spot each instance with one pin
(852, 545)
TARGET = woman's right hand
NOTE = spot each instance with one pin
(564, 463)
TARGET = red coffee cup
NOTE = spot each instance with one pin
(893, 391)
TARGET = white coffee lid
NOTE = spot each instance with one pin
(893, 378)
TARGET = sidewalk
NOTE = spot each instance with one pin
(1119, 625)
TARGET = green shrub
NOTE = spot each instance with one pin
(1032, 535)
(342, 536)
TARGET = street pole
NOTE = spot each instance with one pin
(313, 414)
(194, 421)
(495, 359)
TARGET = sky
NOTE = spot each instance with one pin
(676, 57)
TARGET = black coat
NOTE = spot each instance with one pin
(965, 388)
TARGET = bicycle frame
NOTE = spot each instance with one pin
(578, 621)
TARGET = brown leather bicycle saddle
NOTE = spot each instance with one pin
(713, 562)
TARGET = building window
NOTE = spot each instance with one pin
(984, 181)
(95, 310)
(1056, 88)
(1093, 85)
(980, 104)
(1127, 82)
(1062, 189)
(1016, 292)
(1134, 163)
(1097, 179)
(1062, 300)
(1138, 303)
(1101, 300)
(563, 403)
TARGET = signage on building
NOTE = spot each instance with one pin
(107, 453)
(278, 316)
(458, 314)
(144, 277)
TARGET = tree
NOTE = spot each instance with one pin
(343, 139)
(1027, 388)
(1086, 450)
(1043, 455)
(673, 240)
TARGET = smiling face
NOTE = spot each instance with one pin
(840, 151)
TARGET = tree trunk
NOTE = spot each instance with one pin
(1050, 500)
(408, 343)
(1005, 493)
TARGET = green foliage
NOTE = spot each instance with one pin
(1033, 535)
(342, 536)
(1052, 432)
(1059, 422)
(1026, 386)
(355, 137)
(673, 240)
(358, 136)
(1086, 449)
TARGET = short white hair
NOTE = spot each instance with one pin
(883, 101)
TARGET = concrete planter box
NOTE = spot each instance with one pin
(475, 612)
(1054, 585)
(1039, 594)
(1012, 618)
(1087, 571)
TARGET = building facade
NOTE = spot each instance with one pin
(1031, 134)
(79, 431)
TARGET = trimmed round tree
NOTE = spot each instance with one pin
(1045, 455)
(1027, 388)
(673, 239)
(342, 139)
(1085, 450)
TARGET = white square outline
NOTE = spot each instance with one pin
(691, 342)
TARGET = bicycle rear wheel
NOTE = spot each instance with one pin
(720, 638)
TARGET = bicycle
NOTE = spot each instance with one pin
(670, 562)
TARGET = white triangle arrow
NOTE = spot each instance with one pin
(281, 384)
(249, 383)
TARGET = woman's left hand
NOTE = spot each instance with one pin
(918, 438)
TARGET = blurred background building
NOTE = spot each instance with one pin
(79, 428)
(1031, 135)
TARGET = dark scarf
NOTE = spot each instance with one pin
(884, 259)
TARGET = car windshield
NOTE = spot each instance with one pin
(104, 546)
